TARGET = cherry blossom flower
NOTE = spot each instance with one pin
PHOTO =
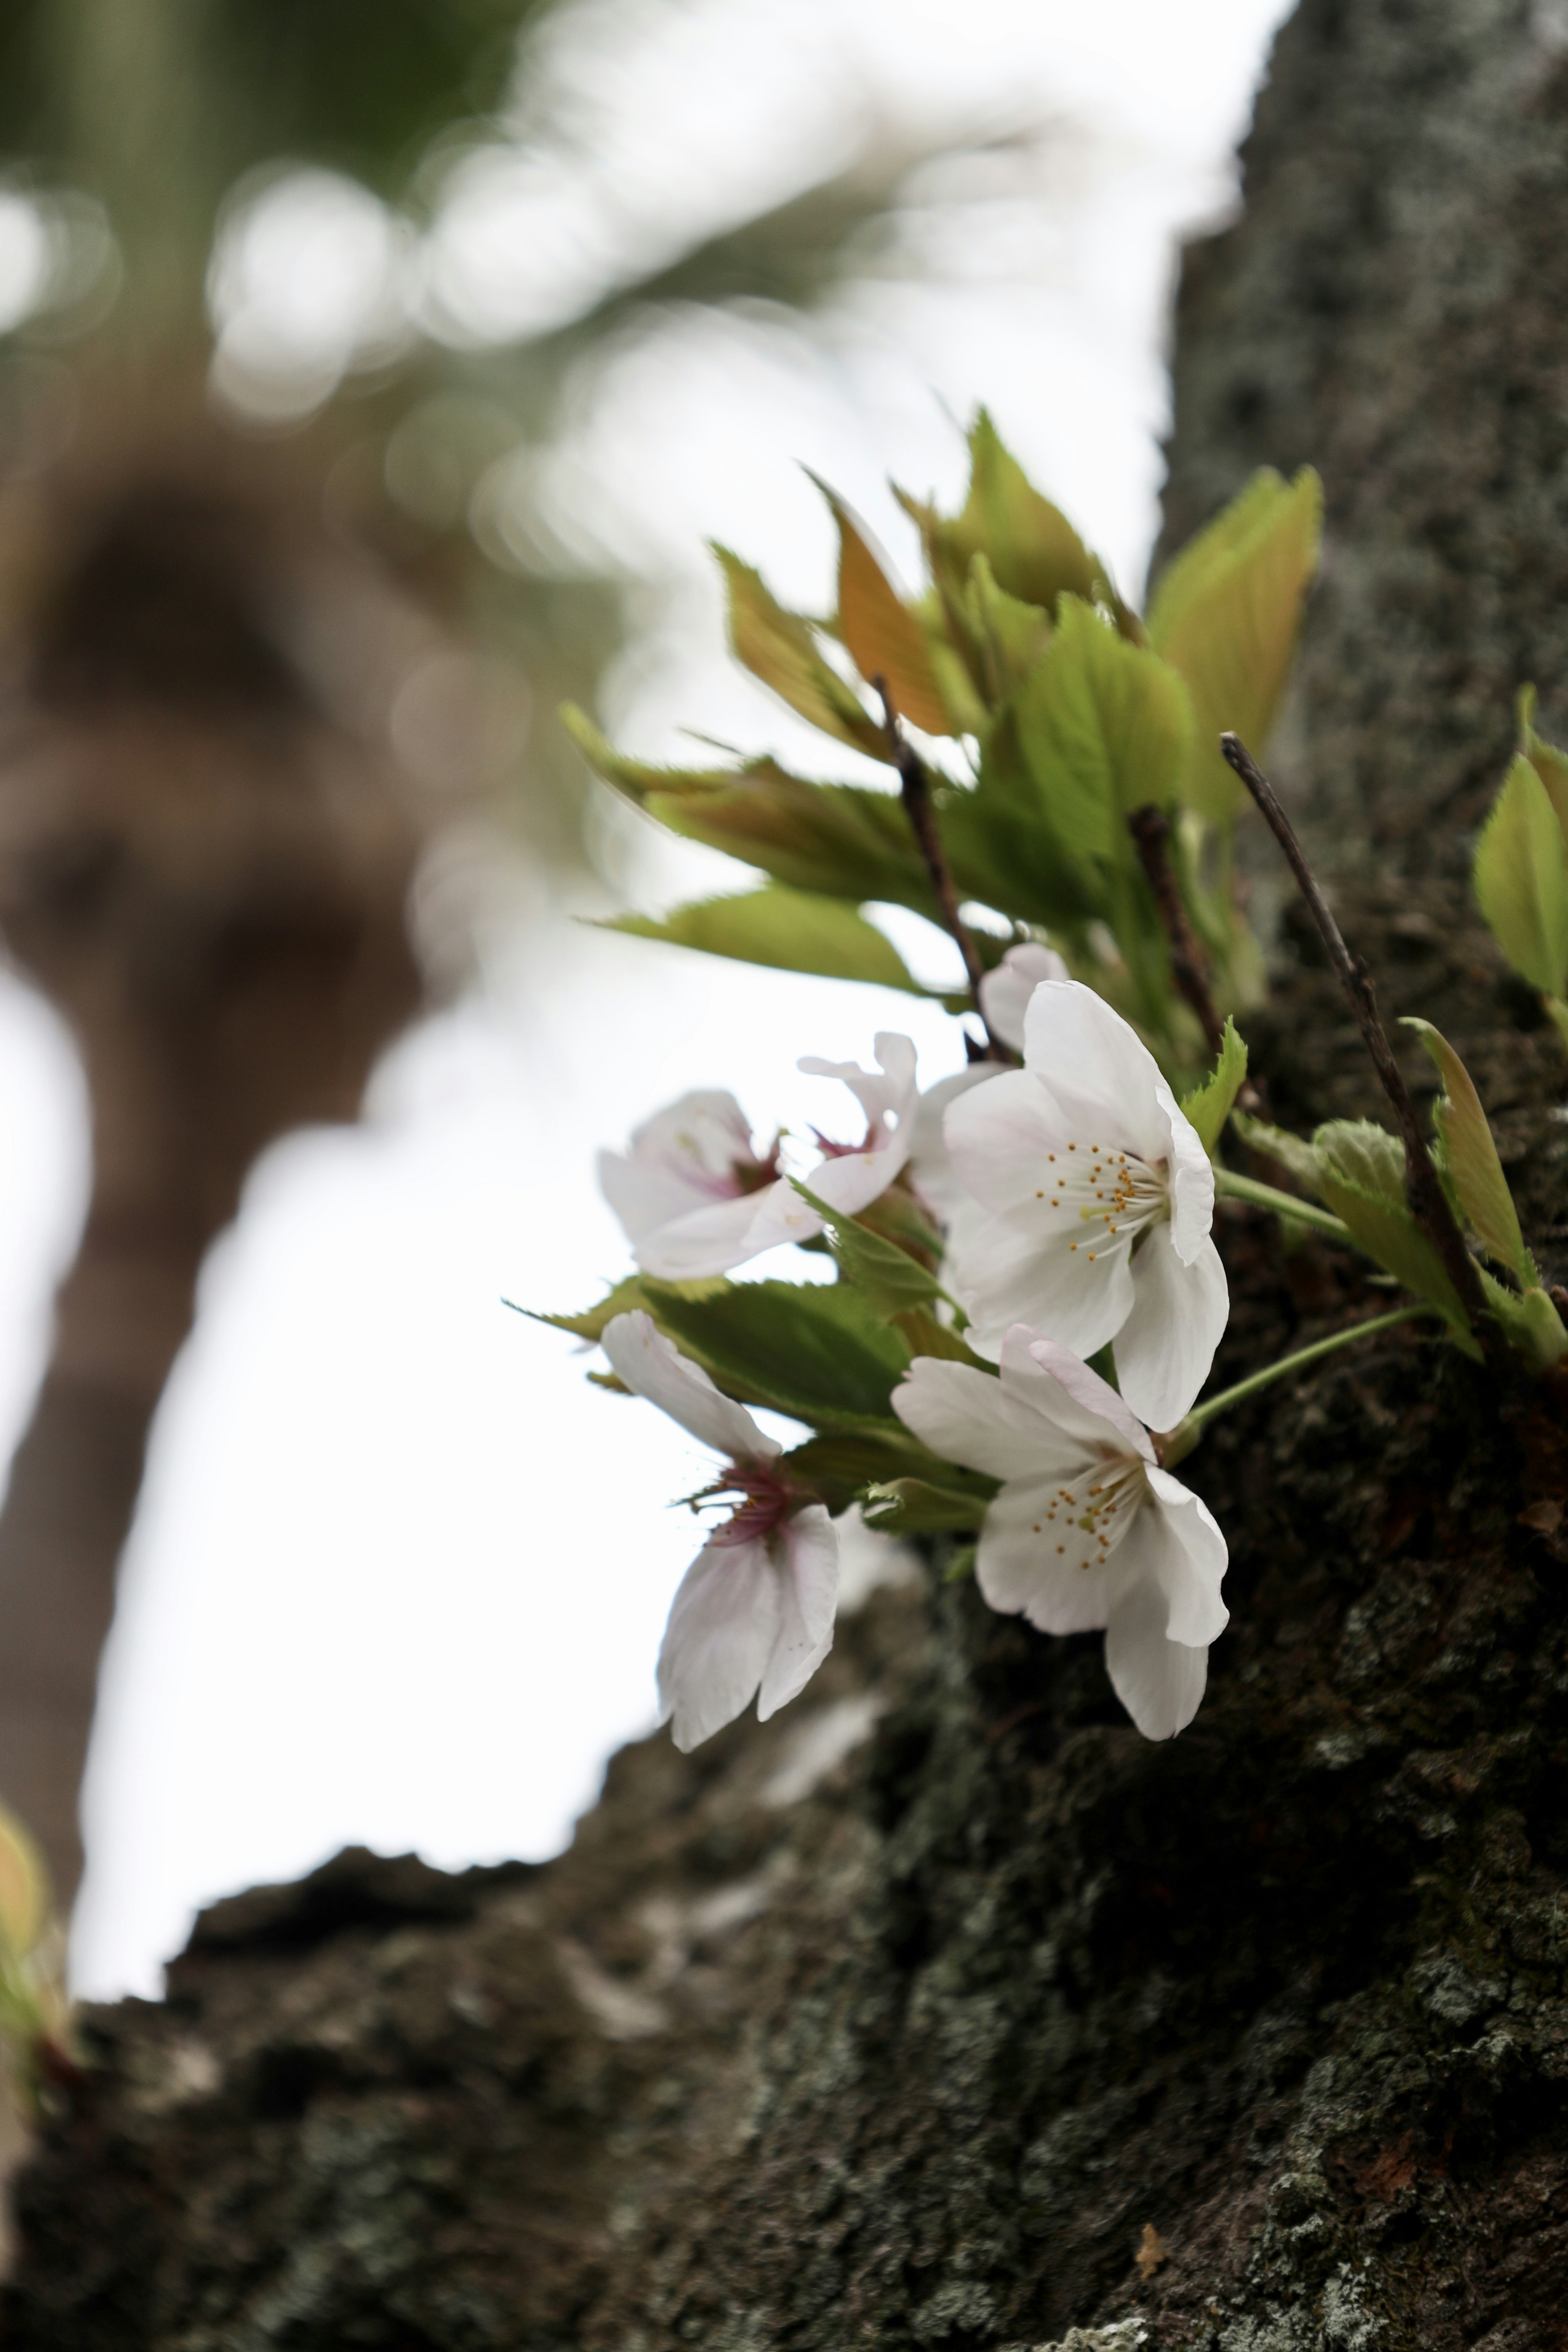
(1099, 1198)
(1088, 1530)
(754, 1616)
(695, 1198)
(1005, 993)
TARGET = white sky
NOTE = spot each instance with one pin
(399, 1573)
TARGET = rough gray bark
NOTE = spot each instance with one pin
(913, 2055)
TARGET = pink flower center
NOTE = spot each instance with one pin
(766, 1500)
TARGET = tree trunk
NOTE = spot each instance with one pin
(207, 874)
(943, 2011)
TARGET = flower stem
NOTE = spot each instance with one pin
(1266, 1196)
(1151, 831)
(1179, 1442)
(1428, 1201)
(915, 789)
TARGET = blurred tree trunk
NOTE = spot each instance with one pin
(207, 871)
(943, 2010)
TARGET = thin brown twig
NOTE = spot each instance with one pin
(1151, 831)
(918, 807)
(1428, 1203)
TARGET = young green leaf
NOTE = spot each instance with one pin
(1032, 549)
(1226, 613)
(814, 1351)
(794, 930)
(884, 638)
(1360, 1177)
(839, 1468)
(778, 647)
(1474, 1167)
(1521, 879)
(924, 1335)
(1209, 1106)
(1105, 727)
(888, 1277)
(842, 841)
(1014, 636)
(1550, 764)
(1292, 1152)
(1529, 1321)
(908, 1506)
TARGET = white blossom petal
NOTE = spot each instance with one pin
(1161, 1682)
(1080, 1402)
(1097, 1066)
(1004, 993)
(1004, 1270)
(972, 1417)
(713, 1240)
(850, 1180)
(654, 1366)
(1190, 1560)
(683, 1158)
(1034, 1561)
(723, 1624)
(805, 1562)
(1165, 1348)
(1000, 1138)
(930, 1162)
(1191, 1179)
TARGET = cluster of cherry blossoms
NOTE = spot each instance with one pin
(1029, 1298)
(1074, 1202)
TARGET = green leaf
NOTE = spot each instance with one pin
(779, 647)
(814, 1351)
(1529, 1321)
(1005, 848)
(888, 1277)
(1227, 612)
(1550, 764)
(1105, 727)
(626, 1296)
(884, 638)
(1209, 1106)
(842, 841)
(1292, 1152)
(909, 1507)
(794, 930)
(840, 1468)
(1034, 552)
(924, 1335)
(1521, 879)
(1360, 1177)
(1474, 1168)
(1013, 636)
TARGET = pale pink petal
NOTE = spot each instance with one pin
(1023, 1569)
(891, 1092)
(806, 1557)
(1004, 1270)
(1081, 1404)
(1191, 1179)
(1160, 1682)
(1001, 1138)
(1189, 1555)
(722, 1626)
(652, 1366)
(1004, 993)
(1097, 1068)
(931, 1163)
(982, 1423)
(683, 1156)
(1165, 1348)
(711, 1240)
